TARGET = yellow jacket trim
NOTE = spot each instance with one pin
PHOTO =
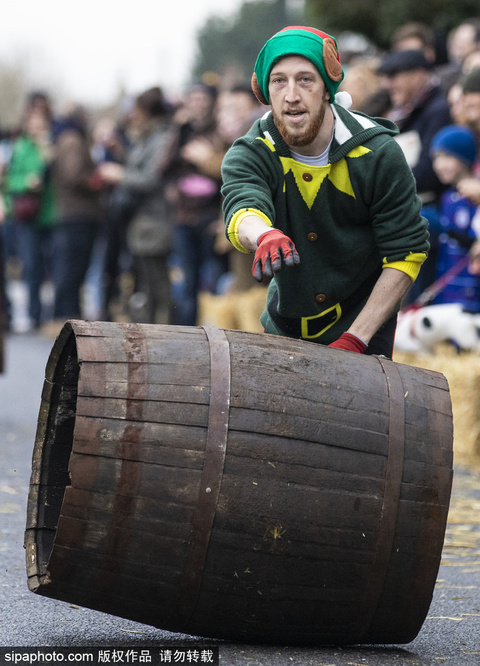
(237, 218)
(411, 264)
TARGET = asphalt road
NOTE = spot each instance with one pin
(450, 634)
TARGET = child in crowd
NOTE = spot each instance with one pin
(454, 150)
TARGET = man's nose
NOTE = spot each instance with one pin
(291, 92)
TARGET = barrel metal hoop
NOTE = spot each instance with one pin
(210, 483)
(391, 498)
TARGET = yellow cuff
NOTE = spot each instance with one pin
(410, 265)
(232, 229)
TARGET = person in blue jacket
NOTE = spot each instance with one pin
(454, 150)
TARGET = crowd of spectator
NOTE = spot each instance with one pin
(425, 83)
(119, 217)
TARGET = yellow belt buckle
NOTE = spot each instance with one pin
(305, 320)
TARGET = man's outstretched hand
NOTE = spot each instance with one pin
(274, 250)
(349, 342)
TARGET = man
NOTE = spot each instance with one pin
(326, 201)
(463, 40)
(417, 36)
(420, 109)
(470, 187)
(471, 101)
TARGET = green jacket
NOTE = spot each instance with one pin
(26, 161)
(348, 219)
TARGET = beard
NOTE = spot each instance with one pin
(305, 135)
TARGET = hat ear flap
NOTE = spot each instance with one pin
(332, 65)
(256, 89)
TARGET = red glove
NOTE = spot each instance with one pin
(349, 342)
(274, 249)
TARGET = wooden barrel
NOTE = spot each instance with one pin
(238, 485)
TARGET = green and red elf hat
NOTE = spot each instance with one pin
(315, 45)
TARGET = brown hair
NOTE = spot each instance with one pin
(152, 102)
(415, 29)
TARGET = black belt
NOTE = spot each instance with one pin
(314, 326)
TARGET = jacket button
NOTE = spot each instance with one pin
(312, 236)
(307, 177)
(320, 298)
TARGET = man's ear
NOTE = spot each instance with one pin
(256, 89)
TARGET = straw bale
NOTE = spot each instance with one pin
(240, 311)
(462, 372)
